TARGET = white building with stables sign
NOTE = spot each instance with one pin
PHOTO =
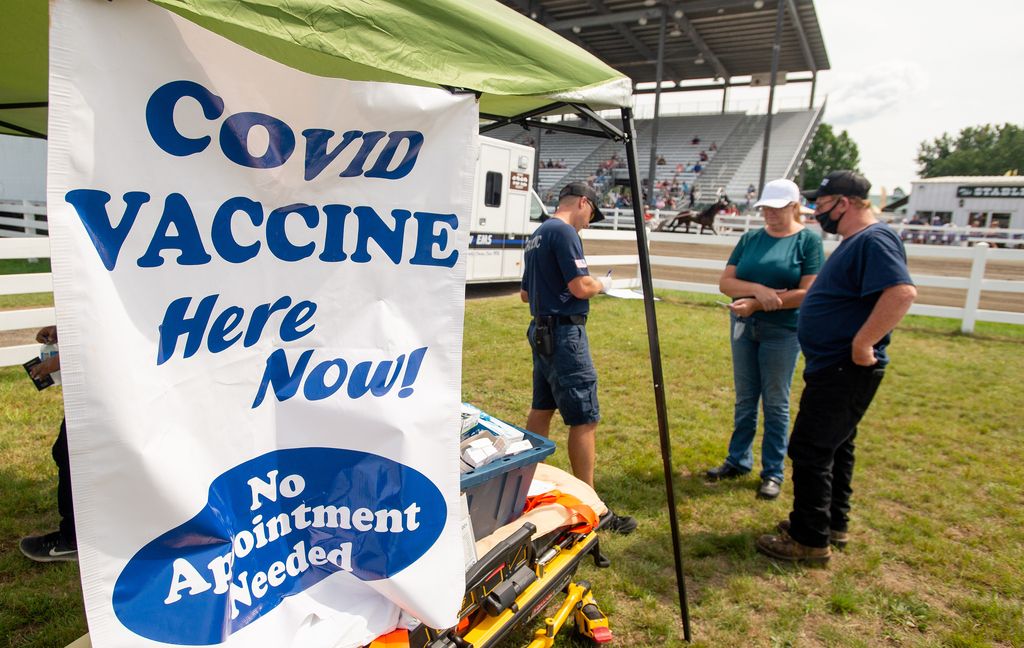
(977, 201)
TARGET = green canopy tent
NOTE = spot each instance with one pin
(518, 69)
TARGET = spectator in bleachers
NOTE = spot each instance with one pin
(680, 168)
(610, 199)
(703, 156)
(661, 160)
(713, 147)
(694, 196)
(697, 168)
(695, 141)
(751, 193)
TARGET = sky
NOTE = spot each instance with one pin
(906, 71)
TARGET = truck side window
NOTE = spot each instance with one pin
(492, 189)
(538, 212)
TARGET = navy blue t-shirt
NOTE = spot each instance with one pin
(846, 290)
(554, 257)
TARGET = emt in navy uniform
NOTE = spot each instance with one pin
(558, 286)
(844, 327)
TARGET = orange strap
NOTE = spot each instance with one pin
(576, 507)
(395, 639)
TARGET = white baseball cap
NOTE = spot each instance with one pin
(778, 194)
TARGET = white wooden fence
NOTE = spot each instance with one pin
(622, 219)
(979, 255)
(969, 313)
(19, 284)
(24, 215)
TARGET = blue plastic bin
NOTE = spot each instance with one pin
(496, 493)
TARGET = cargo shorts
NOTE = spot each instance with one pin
(566, 380)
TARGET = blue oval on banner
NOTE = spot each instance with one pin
(275, 526)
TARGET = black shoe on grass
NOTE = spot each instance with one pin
(725, 471)
(621, 524)
(49, 548)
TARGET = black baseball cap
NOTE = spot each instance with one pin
(585, 190)
(840, 183)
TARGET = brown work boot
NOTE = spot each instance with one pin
(783, 547)
(837, 539)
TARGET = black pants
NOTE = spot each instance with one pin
(821, 448)
(64, 504)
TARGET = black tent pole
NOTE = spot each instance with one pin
(655, 352)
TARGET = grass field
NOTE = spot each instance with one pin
(936, 556)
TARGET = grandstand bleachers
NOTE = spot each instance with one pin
(675, 135)
(733, 166)
(792, 132)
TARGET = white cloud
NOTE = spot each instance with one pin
(870, 92)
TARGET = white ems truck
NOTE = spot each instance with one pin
(505, 211)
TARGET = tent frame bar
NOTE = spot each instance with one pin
(21, 129)
(613, 131)
(564, 128)
(497, 121)
(657, 374)
(24, 104)
(607, 129)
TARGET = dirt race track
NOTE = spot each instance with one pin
(1012, 270)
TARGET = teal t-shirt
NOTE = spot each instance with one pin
(777, 263)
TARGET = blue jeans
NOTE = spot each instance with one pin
(763, 360)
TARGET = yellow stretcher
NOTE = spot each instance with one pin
(524, 566)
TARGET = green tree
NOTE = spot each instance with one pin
(977, 150)
(828, 152)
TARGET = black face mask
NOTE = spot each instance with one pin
(824, 219)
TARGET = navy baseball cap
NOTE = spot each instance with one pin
(585, 190)
(840, 183)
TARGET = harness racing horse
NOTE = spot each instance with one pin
(706, 218)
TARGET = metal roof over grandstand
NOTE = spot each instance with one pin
(704, 39)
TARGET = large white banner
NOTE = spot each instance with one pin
(259, 281)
